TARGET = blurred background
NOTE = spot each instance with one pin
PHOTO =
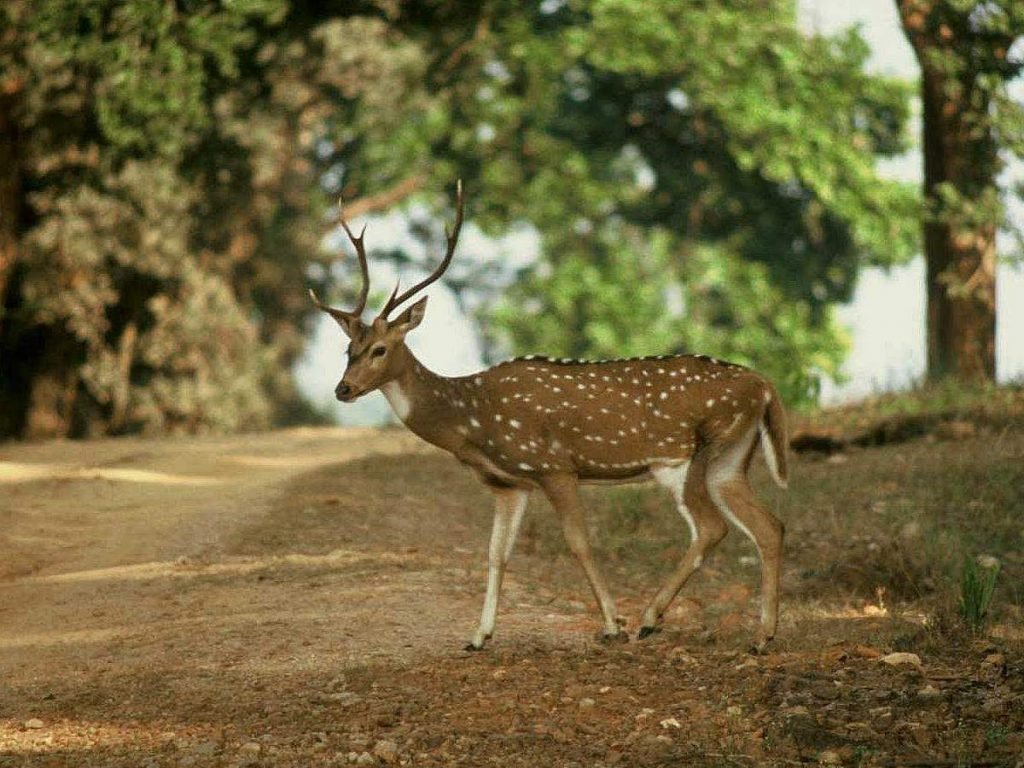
(829, 192)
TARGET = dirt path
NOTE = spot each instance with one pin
(300, 598)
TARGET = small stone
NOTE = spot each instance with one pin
(993, 667)
(250, 748)
(734, 711)
(901, 658)
(829, 757)
(365, 759)
(866, 652)
(386, 750)
(587, 703)
(929, 692)
(34, 724)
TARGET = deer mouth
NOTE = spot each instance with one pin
(351, 396)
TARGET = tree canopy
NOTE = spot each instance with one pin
(702, 176)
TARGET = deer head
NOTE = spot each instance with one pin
(377, 352)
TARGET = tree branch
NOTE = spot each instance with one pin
(383, 200)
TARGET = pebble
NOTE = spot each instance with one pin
(829, 757)
(34, 724)
(898, 659)
(734, 711)
(929, 692)
(587, 703)
(250, 748)
(993, 667)
(365, 759)
(386, 750)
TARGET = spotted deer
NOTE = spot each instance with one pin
(690, 422)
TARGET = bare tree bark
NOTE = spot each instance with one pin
(382, 200)
(961, 152)
(10, 195)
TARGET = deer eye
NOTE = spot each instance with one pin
(378, 351)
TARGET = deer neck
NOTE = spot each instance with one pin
(415, 397)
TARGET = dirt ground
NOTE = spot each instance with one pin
(301, 598)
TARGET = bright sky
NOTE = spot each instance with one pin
(886, 317)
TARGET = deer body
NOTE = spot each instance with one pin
(689, 422)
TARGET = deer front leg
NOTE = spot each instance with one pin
(562, 492)
(509, 506)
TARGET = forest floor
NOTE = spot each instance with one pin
(302, 597)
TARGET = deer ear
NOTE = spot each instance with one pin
(349, 321)
(409, 319)
(350, 324)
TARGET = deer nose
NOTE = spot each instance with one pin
(342, 391)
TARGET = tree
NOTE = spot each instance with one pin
(708, 152)
(160, 203)
(964, 50)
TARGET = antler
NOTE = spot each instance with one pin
(452, 237)
(364, 270)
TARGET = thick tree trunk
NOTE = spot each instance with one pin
(961, 153)
(961, 262)
(52, 389)
(10, 197)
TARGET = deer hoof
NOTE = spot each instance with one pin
(646, 632)
(609, 638)
(476, 644)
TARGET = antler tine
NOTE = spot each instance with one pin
(452, 238)
(338, 314)
(364, 269)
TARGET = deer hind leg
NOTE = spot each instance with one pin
(509, 506)
(563, 494)
(689, 489)
(731, 491)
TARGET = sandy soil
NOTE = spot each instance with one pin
(302, 598)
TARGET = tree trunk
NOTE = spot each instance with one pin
(10, 197)
(961, 261)
(960, 156)
(51, 399)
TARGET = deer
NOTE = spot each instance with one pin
(691, 423)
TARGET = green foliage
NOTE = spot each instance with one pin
(706, 156)
(977, 586)
(161, 206)
(799, 111)
(701, 174)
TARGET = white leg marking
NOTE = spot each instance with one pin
(724, 470)
(508, 515)
(673, 477)
(769, 456)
